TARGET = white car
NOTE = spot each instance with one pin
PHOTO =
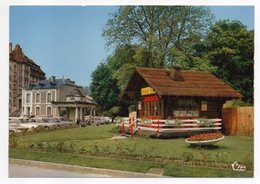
(16, 124)
(46, 121)
(23, 123)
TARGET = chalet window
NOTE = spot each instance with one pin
(49, 111)
(146, 109)
(156, 108)
(37, 98)
(204, 106)
(37, 111)
(28, 98)
(49, 97)
(186, 108)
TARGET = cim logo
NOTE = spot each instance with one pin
(238, 167)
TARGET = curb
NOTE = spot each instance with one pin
(82, 169)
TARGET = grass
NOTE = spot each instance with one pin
(231, 149)
(126, 165)
(73, 159)
(183, 171)
(87, 133)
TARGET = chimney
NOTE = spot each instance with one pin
(52, 78)
(10, 48)
(176, 75)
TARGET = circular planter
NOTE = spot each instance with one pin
(206, 142)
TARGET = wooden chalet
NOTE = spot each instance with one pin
(177, 94)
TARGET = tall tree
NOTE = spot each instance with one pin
(104, 88)
(156, 29)
(230, 47)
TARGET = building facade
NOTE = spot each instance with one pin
(22, 72)
(57, 97)
(177, 94)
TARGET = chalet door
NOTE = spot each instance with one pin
(151, 107)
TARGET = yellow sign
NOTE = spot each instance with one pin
(147, 91)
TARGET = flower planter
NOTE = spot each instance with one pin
(205, 139)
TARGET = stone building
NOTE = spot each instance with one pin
(57, 97)
(22, 71)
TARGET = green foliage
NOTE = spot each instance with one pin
(230, 47)
(156, 29)
(187, 156)
(189, 60)
(236, 103)
(13, 142)
(131, 108)
(104, 88)
(114, 110)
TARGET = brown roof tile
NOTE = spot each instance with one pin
(193, 83)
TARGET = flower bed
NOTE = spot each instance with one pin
(205, 137)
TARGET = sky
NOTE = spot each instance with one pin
(67, 41)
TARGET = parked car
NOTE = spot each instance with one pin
(47, 121)
(106, 120)
(15, 124)
(98, 120)
(23, 123)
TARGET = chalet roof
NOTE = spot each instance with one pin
(167, 82)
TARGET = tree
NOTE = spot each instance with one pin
(156, 29)
(230, 47)
(123, 62)
(104, 88)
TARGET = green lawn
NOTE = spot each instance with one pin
(96, 140)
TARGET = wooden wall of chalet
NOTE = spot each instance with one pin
(238, 121)
(214, 107)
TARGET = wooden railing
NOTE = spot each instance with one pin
(172, 126)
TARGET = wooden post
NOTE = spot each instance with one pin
(132, 126)
(158, 128)
(123, 128)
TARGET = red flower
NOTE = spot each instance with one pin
(205, 136)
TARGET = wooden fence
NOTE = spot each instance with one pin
(238, 121)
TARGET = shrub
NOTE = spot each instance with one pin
(187, 156)
(13, 143)
(248, 162)
(61, 147)
(131, 108)
(40, 145)
(236, 103)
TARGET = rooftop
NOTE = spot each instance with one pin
(50, 83)
(18, 56)
(180, 83)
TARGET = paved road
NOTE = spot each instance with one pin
(23, 171)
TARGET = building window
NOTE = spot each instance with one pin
(204, 106)
(28, 98)
(186, 107)
(49, 111)
(49, 97)
(37, 111)
(37, 98)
